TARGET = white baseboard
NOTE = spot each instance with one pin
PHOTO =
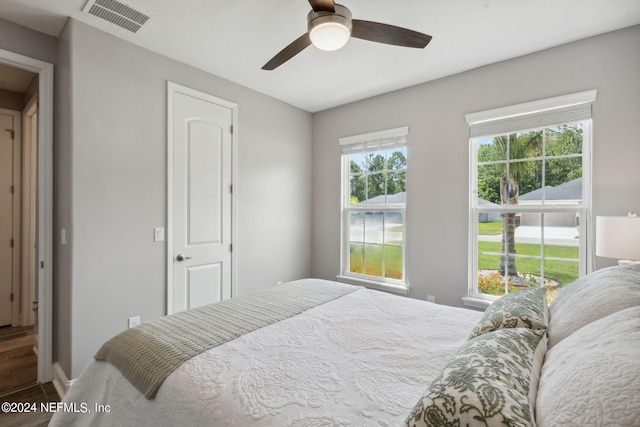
(60, 380)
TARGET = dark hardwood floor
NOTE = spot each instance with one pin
(18, 378)
(18, 361)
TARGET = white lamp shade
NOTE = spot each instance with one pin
(329, 35)
(618, 237)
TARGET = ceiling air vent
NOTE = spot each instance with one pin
(117, 13)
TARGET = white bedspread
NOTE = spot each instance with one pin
(361, 360)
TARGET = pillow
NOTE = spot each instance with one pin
(592, 297)
(522, 309)
(491, 381)
(592, 378)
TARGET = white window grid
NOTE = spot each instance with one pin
(375, 141)
(538, 114)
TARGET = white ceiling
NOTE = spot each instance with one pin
(234, 38)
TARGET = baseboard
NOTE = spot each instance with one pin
(60, 380)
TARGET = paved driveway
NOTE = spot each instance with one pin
(561, 236)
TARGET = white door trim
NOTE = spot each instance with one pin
(171, 89)
(28, 269)
(45, 205)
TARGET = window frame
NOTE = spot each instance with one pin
(546, 113)
(366, 143)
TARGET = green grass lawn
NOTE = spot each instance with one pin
(367, 259)
(490, 228)
(564, 272)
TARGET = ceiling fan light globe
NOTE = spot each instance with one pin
(329, 35)
(329, 30)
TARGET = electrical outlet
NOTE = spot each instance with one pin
(431, 298)
(134, 321)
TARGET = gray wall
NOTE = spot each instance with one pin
(438, 163)
(21, 40)
(62, 206)
(111, 152)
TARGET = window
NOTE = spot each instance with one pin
(530, 196)
(373, 208)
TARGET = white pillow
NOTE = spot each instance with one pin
(592, 378)
(592, 297)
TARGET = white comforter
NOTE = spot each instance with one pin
(361, 360)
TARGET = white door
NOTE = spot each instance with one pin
(9, 201)
(200, 162)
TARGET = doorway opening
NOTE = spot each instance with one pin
(26, 135)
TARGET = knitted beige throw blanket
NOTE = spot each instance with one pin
(147, 354)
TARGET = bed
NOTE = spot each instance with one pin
(368, 358)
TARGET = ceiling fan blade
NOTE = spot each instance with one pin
(322, 5)
(288, 52)
(388, 34)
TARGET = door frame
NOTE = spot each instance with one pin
(45, 205)
(173, 88)
(29, 217)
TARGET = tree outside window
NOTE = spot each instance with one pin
(529, 199)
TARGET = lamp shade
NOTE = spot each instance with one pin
(618, 237)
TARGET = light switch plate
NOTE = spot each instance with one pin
(158, 234)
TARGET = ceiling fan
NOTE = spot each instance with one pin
(330, 26)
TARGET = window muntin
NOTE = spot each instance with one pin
(374, 212)
(527, 209)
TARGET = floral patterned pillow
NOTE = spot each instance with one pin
(522, 309)
(491, 381)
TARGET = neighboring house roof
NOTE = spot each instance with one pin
(571, 190)
(482, 201)
(400, 197)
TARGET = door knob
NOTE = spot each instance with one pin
(181, 257)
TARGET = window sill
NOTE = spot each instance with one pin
(396, 289)
(475, 302)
